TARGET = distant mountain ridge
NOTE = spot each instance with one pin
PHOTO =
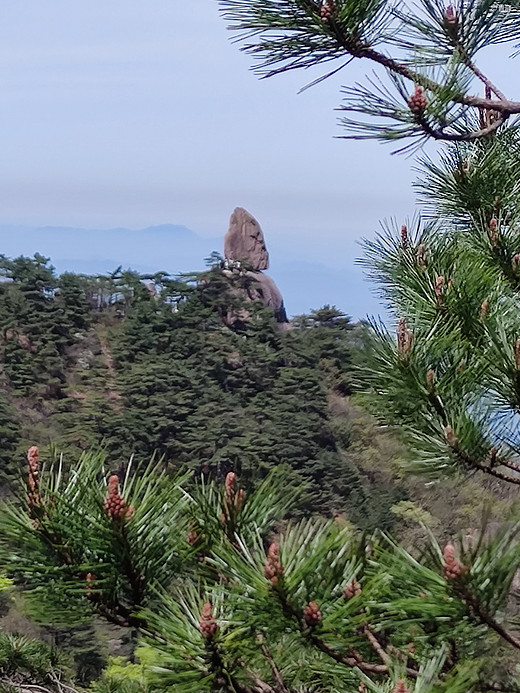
(176, 249)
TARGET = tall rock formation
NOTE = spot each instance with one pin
(244, 241)
(245, 251)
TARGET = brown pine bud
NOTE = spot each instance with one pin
(404, 339)
(453, 568)
(404, 236)
(430, 379)
(352, 589)
(417, 102)
(517, 354)
(239, 499)
(273, 570)
(33, 478)
(450, 436)
(229, 486)
(450, 17)
(192, 537)
(114, 504)
(207, 624)
(493, 230)
(439, 289)
(484, 309)
(327, 10)
(90, 580)
(400, 687)
(312, 614)
(515, 262)
(421, 255)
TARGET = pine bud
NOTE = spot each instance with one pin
(417, 102)
(404, 339)
(207, 624)
(493, 231)
(400, 687)
(453, 568)
(517, 354)
(239, 499)
(421, 255)
(352, 589)
(515, 262)
(192, 538)
(90, 580)
(229, 486)
(404, 236)
(33, 477)
(450, 17)
(273, 570)
(312, 614)
(450, 436)
(430, 379)
(114, 504)
(327, 10)
(439, 289)
(484, 309)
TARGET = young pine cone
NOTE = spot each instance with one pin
(327, 9)
(453, 568)
(273, 570)
(400, 687)
(115, 505)
(352, 589)
(207, 624)
(312, 614)
(417, 102)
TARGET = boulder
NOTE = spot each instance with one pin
(263, 289)
(244, 241)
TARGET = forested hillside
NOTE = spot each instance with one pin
(177, 368)
(184, 370)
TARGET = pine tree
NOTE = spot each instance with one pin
(228, 597)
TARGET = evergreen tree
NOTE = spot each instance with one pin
(228, 598)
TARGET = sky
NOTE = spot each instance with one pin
(133, 114)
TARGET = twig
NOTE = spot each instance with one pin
(274, 668)
(479, 611)
(384, 656)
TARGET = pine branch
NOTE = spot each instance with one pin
(480, 612)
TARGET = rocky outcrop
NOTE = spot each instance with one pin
(244, 241)
(245, 252)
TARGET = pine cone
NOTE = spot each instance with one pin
(453, 568)
(207, 624)
(273, 570)
(400, 687)
(517, 354)
(229, 486)
(115, 505)
(421, 255)
(312, 614)
(352, 589)
(450, 17)
(327, 10)
(404, 236)
(417, 102)
(450, 436)
(404, 338)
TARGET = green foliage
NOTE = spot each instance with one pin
(424, 58)
(255, 603)
(451, 379)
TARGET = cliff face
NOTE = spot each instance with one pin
(245, 251)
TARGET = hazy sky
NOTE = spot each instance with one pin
(130, 113)
(133, 113)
